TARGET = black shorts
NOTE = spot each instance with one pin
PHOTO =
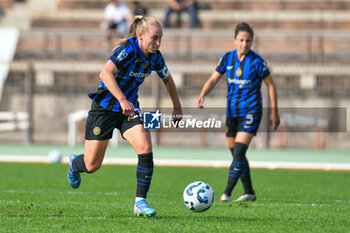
(101, 123)
(249, 123)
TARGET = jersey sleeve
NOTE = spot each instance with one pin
(221, 67)
(122, 55)
(161, 68)
(263, 70)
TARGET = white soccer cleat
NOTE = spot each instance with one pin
(224, 198)
(247, 197)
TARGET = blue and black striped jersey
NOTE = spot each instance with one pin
(243, 81)
(133, 67)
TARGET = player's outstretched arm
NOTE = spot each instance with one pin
(208, 86)
(274, 119)
(170, 86)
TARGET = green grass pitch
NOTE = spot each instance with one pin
(38, 198)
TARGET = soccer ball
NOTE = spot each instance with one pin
(198, 196)
(55, 156)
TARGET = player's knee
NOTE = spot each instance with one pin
(92, 167)
(239, 152)
(145, 149)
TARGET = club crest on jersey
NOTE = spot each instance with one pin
(239, 72)
(122, 55)
(145, 65)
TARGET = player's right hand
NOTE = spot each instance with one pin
(128, 108)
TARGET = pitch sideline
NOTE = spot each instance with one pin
(192, 163)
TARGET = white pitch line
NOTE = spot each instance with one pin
(252, 204)
(192, 163)
(24, 158)
(301, 165)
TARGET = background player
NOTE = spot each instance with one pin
(245, 71)
(115, 105)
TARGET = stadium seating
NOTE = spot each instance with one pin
(280, 21)
(92, 18)
(223, 4)
(95, 4)
(279, 14)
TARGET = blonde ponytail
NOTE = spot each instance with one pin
(134, 24)
(140, 24)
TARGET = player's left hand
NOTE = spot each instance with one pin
(177, 114)
(200, 102)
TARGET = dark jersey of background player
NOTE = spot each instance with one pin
(243, 81)
(245, 72)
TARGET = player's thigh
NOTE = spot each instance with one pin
(248, 127)
(139, 138)
(244, 138)
(98, 130)
(231, 141)
(242, 129)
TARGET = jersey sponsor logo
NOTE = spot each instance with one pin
(122, 55)
(241, 83)
(138, 74)
(229, 67)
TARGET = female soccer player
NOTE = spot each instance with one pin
(245, 71)
(115, 105)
